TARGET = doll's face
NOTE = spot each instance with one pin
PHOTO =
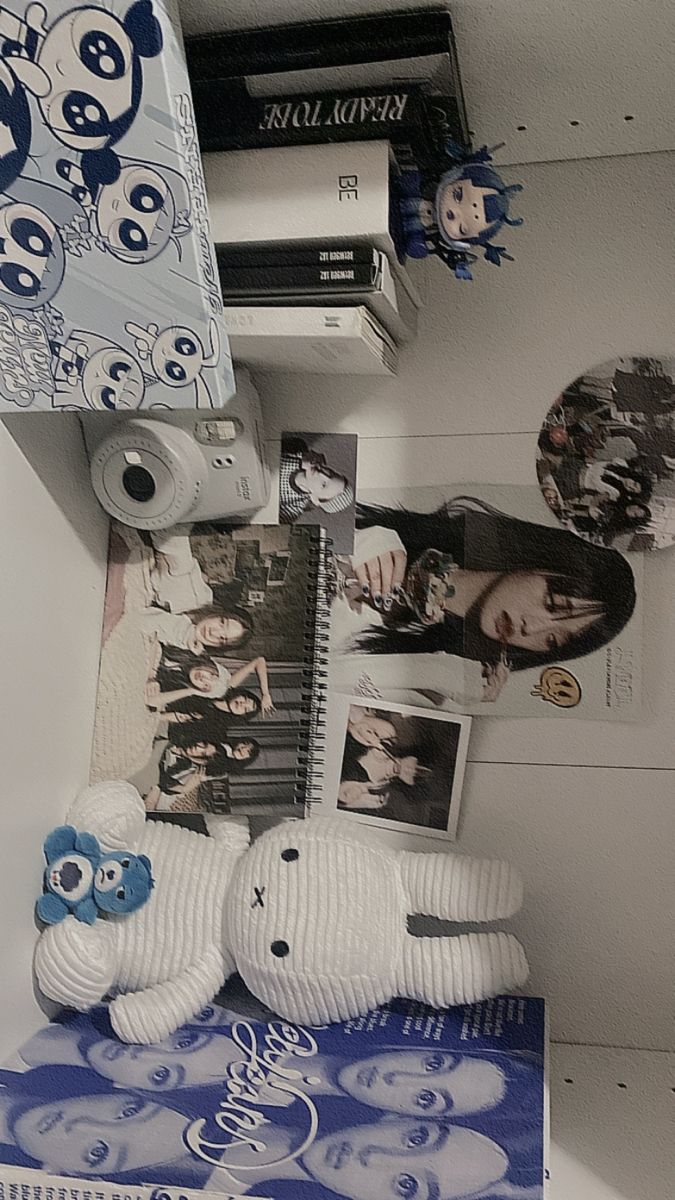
(552, 498)
(461, 210)
(429, 585)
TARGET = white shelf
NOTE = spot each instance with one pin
(53, 540)
(613, 1124)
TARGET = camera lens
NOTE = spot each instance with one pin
(138, 484)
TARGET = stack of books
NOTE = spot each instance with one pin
(306, 130)
(311, 226)
(321, 340)
(387, 75)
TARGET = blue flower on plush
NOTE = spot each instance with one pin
(80, 880)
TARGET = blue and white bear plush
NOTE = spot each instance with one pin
(80, 879)
(313, 916)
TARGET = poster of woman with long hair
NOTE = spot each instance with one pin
(472, 598)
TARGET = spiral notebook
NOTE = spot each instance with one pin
(212, 670)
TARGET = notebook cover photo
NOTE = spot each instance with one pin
(210, 663)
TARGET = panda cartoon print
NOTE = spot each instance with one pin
(176, 356)
(89, 77)
(18, 75)
(136, 216)
(103, 214)
(36, 220)
(31, 256)
(93, 373)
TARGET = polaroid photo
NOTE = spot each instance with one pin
(317, 480)
(401, 767)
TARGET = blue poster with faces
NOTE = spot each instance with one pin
(404, 1104)
(109, 292)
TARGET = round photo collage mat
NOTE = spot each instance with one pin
(606, 454)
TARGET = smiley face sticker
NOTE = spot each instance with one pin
(558, 686)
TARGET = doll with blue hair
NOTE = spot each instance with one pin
(466, 208)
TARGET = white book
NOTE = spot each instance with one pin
(390, 303)
(304, 193)
(301, 338)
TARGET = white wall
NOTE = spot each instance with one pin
(586, 809)
(594, 276)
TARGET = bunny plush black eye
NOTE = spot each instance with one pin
(280, 949)
(290, 855)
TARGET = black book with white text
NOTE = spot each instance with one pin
(331, 278)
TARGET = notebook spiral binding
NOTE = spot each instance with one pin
(310, 776)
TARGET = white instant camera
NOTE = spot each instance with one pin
(156, 468)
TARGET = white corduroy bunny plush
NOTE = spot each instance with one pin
(313, 918)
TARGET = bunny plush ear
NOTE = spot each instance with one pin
(113, 812)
